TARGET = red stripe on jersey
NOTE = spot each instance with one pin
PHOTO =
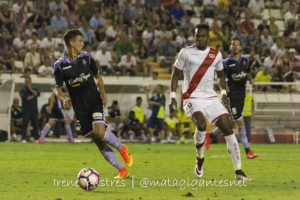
(198, 146)
(200, 73)
(220, 70)
(177, 68)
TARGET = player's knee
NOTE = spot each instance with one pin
(99, 133)
(201, 126)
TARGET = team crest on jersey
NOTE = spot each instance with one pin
(83, 61)
(244, 62)
(211, 55)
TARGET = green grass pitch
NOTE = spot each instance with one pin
(35, 171)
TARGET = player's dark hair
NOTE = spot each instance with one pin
(34, 33)
(235, 39)
(71, 35)
(27, 69)
(161, 87)
(203, 26)
(138, 98)
(115, 102)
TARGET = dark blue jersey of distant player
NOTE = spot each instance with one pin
(236, 72)
(78, 77)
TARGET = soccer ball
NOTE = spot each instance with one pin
(88, 179)
(146, 86)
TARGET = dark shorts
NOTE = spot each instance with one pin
(236, 107)
(156, 121)
(16, 124)
(95, 115)
(57, 114)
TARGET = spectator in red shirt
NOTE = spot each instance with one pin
(248, 25)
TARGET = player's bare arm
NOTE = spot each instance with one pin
(151, 102)
(101, 86)
(61, 96)
(174, 83)
(222, 85)
(249, 77)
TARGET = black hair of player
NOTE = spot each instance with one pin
(138, 98)
(34, 33)
(115, 102)
(203, 26)
(71, 35)
(235, 39)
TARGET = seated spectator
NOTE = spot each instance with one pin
(273, 28)
(6, 58)
(125, 14)
(216, 36)
(142, 61)
(59, 53)
(123, 46)
(172, 125)
(44, 9)
(167, 52)
(20, 45)
(263, 53)
(88, 35)
(188, 7)
(150, 37)
(30, 29)
(34, 40)
(273, 4)
(49, 41)
(148, 10)
(221, 11)
(128, 64)
(217, 21)
(297, 39)
(253, 63)
(72, 9)
(263, 25)
(48, 53)
(180, 40)
(287, 39)
(46, 70)
(21, 19)
(187, 24)
(165, 19)
(17, 7)
(235, 12)
(248, 26)
(242, 36)
(100, 33)
(58, 4)
(88, 9)
(190, 41)
(36, 19)
(291, 18)
(288, 76)
(139, 26)
(32, 59)
(7, 18)
(272, 61)
(58, 23)
(109, 43)
(154, 75)
(132, 126)
(294, 62)
(209, 7)
(267, 39)
(177, 13)
(163, 33)
(5, 39)
(278, 47)
(96, 21)
(255, 41)
(262, 76)
(256, 7)
(136, 9)
(27, 73)
(277, 76)
(114, 31)
(43, 31)
(105, 61)
(16, 118)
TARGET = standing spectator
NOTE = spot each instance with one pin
(273, 28)
(44, 9)
(150, 37)
(27, 73)
(34, 40)
(128, 64)
(209, 7)
(88, 35)
(7, 18)
(163, 33)
(291, 18)
(125, 14)
(88, 9)
(248, 25)
(124, 46)
(60, 51)
(177, 13)
(263, 76)
(20, 45)
(114, 31)
(96, 21)
(247, 112)
(187, 24)
(181, 40)
(263, 25)
(105, 61)
(72, 9)
(46, 70)
(256, 7)
(29, 96)
(167, 52)
(58, 4)
(254, 64)
(43, 31)
(142, 61)
(59, 23)
(30, 29)
(272, 61)
(6, 58)
(158, 112)
(17, 6)
(278, 47)
(267, 39)
(32, 59)
(16, 118)
(216, 36)
(49, 41)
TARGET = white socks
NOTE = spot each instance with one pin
(199, 141)
(233, 148)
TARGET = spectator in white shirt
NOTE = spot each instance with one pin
(20, 45)
(209, 7)
(32, 59)
(34, 40)
(188, 6)
(216, 19)
(30, 29)
(279, 47)
(181, 40)
(272, 61)
(128, 64)
(114, 31)
(49, 41)
(150, 37)
(267, 39)
(17, 7)
(291, 18)
(60, 51)
(46, 70)
(256, 7)
(105, 61)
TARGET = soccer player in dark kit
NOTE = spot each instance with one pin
(237, 69)
(78, 70)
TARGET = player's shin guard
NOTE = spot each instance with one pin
(69, 131)
(199, 141)
(45, 131)
(234, 150)
(243, 138)
(110, 156)
(112, 140)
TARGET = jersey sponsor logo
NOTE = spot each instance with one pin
(81, 77)
(211, 55)
(97, 115)
(231, 65)
(76, 85)
(67, 67)
(238, 76)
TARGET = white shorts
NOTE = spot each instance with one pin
(211, 108)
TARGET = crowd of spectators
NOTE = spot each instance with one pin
(122, 35)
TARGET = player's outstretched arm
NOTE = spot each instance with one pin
(174, 83)
(222, 85)
(101, 86)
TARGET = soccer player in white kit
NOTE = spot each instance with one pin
(198, 64)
